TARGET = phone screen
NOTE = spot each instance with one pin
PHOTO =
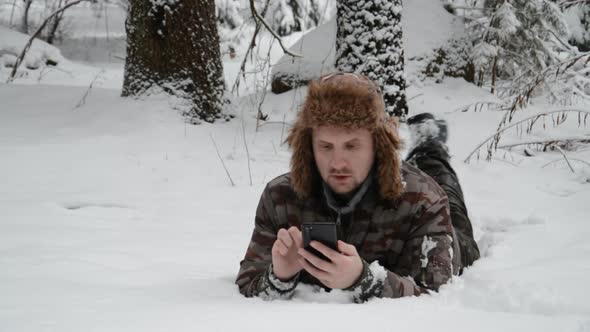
(324, 232)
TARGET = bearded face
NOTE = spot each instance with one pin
(344, 157)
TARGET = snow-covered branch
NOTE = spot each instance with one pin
(20, 58)
(260, 19)
(494, 139)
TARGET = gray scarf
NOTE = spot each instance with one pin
(352, 202)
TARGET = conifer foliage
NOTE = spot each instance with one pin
(369, 41)
(579, 13)
(517, 38)
(288, 16)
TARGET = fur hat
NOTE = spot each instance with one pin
(351, 101)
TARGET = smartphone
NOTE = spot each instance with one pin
(324, 232)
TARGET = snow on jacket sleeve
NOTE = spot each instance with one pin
(425, 263)
(255, 277)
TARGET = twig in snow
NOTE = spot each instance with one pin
(222, 163)
(87, 93)
(494, 139)
(479, 106)
(572, 159)
(275, 122)
(506, 161)
(547, 142)
(247, 151)
(416, 96)
(565, 157)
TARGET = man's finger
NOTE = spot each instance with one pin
(327, 251)
(281, 248)
(316, 261)
(347, 249)
(296, 236)
(285, 237)
(319, 274)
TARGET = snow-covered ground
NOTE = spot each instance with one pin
(115, 215)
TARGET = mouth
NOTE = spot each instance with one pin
(341, 178)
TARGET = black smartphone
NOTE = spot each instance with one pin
(324, 232)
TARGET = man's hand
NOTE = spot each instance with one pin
(344, 269)
(285, 253)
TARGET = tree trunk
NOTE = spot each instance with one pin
(173, 45)
(54, 25)
(369, 41)
(494, 73)
(24, 25)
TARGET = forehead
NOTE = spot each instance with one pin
(339, 133)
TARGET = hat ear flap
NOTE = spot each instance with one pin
(302, 161)
(387, 147)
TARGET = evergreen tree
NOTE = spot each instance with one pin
(369, 41)
(580, 19)
(173, 45)
(288, 16)
(517, 37)
(228, 13)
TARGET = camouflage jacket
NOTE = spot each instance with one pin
(407, 245)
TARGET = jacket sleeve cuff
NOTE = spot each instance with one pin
(278, 284)
(272, 288)
(369, 284)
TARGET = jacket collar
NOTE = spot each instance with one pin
(340, 208)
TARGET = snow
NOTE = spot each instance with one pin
(13, 42)
(118, 216)
(573, 16)
(427, 245)
(318, 46)
(34, 69)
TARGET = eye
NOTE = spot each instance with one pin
(351, 146)
(326, 147)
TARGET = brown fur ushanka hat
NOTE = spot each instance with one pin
(351, 101)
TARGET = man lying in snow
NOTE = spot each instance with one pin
(401, 232)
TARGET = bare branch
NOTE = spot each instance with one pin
(570, 3)
(572, 159)
(20, 58)
(267, 26)
(495, 138)
(249, 50)
(547, 142)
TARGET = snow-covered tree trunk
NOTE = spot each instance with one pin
(174, 45)
(369, 42)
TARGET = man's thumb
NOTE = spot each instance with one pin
(347, 249)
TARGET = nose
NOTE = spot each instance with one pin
(338, 161)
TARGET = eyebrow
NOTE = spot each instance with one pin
(354, 140)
